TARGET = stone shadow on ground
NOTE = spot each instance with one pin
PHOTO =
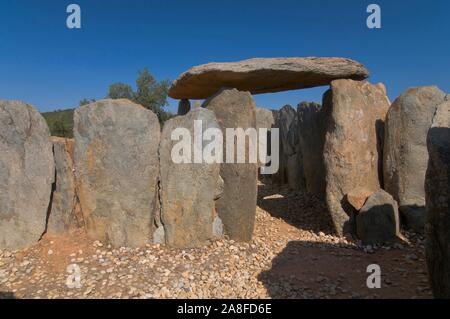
(298, 209)
(306, 269)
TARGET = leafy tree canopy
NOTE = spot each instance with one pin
(120, 91)
(150, 93)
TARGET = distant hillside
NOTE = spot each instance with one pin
(60, 122)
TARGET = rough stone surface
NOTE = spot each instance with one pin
(405, 151)
(236, 208)
(264, 119)
(311, 138)
(184, 106)
(117, 168)
(27, 172)
(437, 187)
(217, 227)
(159, 236)
(378, 221)
(65, 213)
(355, 112)
(188, 189)
(291, 161)
(358, 197)
(262, 75)
(219, 188)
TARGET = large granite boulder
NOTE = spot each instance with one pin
(27, 172)
(188, 189)
(437, 187)
(237, 206)
(117, 169)
(378, 221)
(354, 112)
(311, 128)
(405, 151)
(264, 75)
(65, 213)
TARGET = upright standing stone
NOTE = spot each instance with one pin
(437, 187)
(237, 206)
(65, 213)
(117, 169)
(264, 120)
(291, 162)
(355, 112)
(184, 106)
(27, 172)
(405, 152)
(188, 189)
(312, 137)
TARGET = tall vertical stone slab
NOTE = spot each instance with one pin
(355, 113)
(311, 128)
(291, 161)
(437, 187)
(188, 188)
(264, 120)
(237, 206)
(65, 213)
(117, 169)
(405, 151)
(27, 172)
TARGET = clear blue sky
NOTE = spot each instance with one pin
(45, 64)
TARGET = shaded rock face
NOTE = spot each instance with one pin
(188, 190)
(312, 138)
(184, 106)
(264, 75)
(354, 116)
(27, 172)
(264, 119)
(117, 169)
(65, 213)
(378, 220)
(437, 187)
(237, 206)
(405, 152)
(291, 160)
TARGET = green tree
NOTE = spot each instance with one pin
(150, 93)
(86, 101)
(60, 128)
(120, 91)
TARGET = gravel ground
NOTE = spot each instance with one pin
(292, 255)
